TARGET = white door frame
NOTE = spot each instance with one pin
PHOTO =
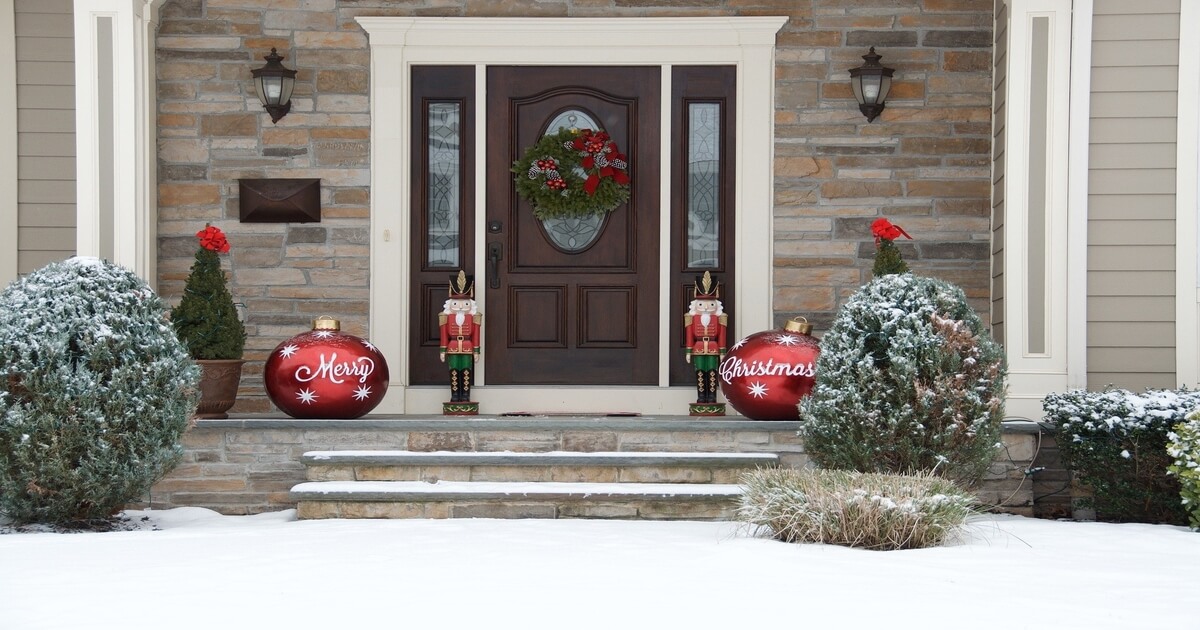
(399, 43)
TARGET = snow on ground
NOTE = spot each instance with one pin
(203, 570)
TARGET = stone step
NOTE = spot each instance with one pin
(553, 466)
(473, 499)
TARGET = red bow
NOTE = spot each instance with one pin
(884, 229)
(602, 159)
(213, 239)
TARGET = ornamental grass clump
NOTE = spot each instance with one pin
(1114, 442)
(908, 381)
(866, 510)
(1184, 447)
(207, 318)
(95, 392)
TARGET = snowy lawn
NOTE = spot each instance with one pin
(203, 570)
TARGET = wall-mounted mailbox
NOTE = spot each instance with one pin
(279, 200)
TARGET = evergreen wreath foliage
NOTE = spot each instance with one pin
(95, 392)
(206, 318)
(572, 173)
(907, 381)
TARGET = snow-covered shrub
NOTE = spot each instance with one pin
(1115, 442)
(841, 507)
(908, 380)
(1184, 447)
(95, 392)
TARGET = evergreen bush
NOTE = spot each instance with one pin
(95, 392)
(839, 507)
(1184, 447)
(207, 318)
(887, 255)
(907, 381)
(1115, 442)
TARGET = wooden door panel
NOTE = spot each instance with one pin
(580, 317)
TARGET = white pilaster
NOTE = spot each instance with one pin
(114, 121)
(8, 143)
(1187, 199)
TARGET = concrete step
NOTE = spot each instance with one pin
(554, 466)
(474, 499)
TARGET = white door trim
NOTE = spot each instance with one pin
(399, 43)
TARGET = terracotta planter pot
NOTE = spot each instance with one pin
(219, 380)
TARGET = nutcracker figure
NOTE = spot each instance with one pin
(705, 324)
(460, 322)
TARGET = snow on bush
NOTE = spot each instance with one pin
(841, 507)
(95, 392)
(1184, 447)
(908, 380)
(1115, 442)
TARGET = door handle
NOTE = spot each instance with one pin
(495, 252)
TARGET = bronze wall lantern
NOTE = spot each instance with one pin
(274, 84)
(871, 83)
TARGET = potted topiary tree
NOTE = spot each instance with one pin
(206, 320)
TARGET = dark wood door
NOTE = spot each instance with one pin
(572, 309)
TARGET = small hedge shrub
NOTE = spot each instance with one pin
(1184, 448)
(907, 381)
(839, 507)
(95, 392)
(1115, 442)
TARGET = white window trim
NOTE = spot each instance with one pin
(1032, 376)
(8, 143)
(1187, 199)
(398, 43)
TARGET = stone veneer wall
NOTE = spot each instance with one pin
(924, 164)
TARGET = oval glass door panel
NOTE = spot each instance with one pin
(573, 234)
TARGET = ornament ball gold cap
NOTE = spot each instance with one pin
(326, 322)
(798, 324)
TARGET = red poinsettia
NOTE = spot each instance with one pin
(601, 159)
(884, 229)
(213, 239)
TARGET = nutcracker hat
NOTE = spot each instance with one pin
(707, 287)
(462, 286)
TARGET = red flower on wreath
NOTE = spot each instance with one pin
(213, 239)
(601, 158)
(886, 230)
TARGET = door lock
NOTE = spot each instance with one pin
(495, 252)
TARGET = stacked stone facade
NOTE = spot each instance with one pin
(925, 164)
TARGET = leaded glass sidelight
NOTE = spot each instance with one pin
(704, 185)
(573, 234)
(444, 183)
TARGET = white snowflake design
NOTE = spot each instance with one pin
(787, 340)
(307, 396)
(323, 334)
(741, 342)
(288, 350)
(370, 346)
(758, 390)
(362, 393)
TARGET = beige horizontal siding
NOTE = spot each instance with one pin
(45, 132)
(1131, 194)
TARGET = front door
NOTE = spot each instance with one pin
(570, 301)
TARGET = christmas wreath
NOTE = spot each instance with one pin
(573, 173)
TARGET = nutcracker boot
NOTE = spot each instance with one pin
(466, 386)
(454, 396)
(712, 386)
(701, 395)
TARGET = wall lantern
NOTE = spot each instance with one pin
(274, 84)
(871, 83)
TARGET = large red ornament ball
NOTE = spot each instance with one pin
(326, 373)
(765, 375)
